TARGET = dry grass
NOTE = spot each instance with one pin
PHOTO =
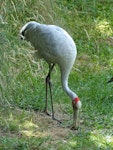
(22, 124)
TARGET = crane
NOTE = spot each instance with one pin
(55, 46)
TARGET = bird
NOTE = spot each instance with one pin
(111, 80)
(56, 47)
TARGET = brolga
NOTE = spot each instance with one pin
(55, 46)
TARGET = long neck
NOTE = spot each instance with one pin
(64, 80)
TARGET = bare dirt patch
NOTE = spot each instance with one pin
(53, 128)
(21, 123)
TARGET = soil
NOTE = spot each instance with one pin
(52, 128)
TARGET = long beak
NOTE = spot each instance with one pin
(75, 118)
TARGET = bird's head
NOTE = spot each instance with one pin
(27, 27)
(76, 103)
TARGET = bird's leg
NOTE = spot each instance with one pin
(45, 110)
(48, 82)
(50, 87)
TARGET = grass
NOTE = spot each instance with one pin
(23, 126)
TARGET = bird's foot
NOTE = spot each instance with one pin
(74, 128)
(45, 111)
(56, 120)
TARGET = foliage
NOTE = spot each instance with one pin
(22, 76)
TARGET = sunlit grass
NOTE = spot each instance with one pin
(104, 28)
(30, 131)
(101, 140)
(22, 77)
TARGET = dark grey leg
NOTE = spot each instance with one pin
(48, 82)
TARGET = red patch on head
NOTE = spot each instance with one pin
(76, 100)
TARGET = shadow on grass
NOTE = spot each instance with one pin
(29, 130)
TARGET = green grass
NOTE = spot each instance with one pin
(23, 126)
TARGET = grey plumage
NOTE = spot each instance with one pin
(55, 46)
